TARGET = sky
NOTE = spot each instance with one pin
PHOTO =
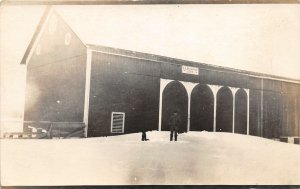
(260, 38)
(17, 24)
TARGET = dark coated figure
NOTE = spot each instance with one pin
(174, 125)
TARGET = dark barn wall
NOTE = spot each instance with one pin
(122, 84)
(272, 108)
(280, 116)
(55, 80)
(290, 109)
(271, 115)
(297, 116)
(56, 92)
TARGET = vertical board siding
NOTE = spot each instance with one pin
(272, 85)
(290, 109)
(55, 92)
(255, 113)
(120, 84)
(272, 115)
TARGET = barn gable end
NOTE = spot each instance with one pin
(56, 68)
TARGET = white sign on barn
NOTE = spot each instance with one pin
(190, 70)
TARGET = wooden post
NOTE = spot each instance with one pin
(248, 108)
(233, 90)
(87, 91)
(189, 86)
(262, 108)
(215, 89)
(163, 84)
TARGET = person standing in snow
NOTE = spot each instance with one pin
(174, 125)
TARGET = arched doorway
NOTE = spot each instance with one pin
(224, 110)
(202, 109)
(240, 120)
(174, 98)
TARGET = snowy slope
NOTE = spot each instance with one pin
(197, 158)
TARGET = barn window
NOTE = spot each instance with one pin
(67, 38)
(117, 122)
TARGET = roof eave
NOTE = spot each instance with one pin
(35, 35)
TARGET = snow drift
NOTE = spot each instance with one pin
(197, 158)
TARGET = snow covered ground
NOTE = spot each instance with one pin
(197, 158)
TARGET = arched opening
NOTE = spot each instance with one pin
(240, 120)
(202, 109)
(224, 110)
(174, 99)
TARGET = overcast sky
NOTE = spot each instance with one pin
(260, 38)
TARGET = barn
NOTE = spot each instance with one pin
(103, 91)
